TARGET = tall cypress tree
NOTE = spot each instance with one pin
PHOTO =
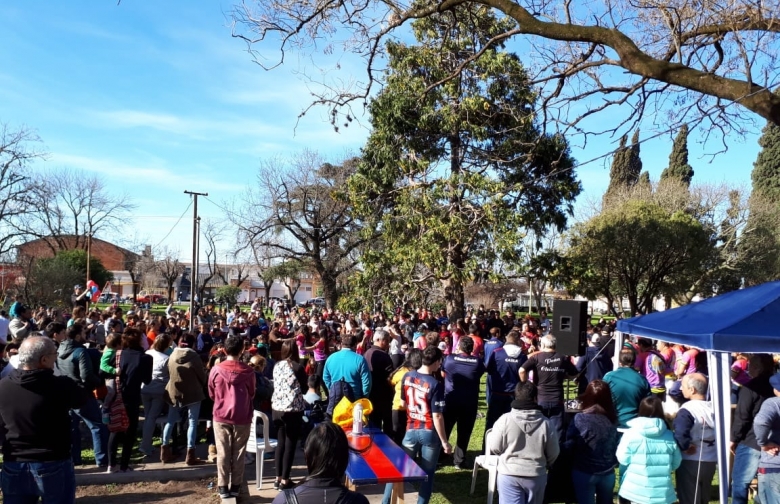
(766, 169)
(634, 161)
(626, 166)
(679, 169)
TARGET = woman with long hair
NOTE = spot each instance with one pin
(135, 369)
(287, 406)
(648, 454)
(153, 394)
(327, 456)
(591, 440)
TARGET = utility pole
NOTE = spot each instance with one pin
(194, 269)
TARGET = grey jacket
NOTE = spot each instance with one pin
(525, 443)
(767, 428)
(74, 361)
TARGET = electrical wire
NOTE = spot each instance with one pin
(175, 224)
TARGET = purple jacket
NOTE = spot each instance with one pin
(232, 387)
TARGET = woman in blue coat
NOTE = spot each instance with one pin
(648, 455)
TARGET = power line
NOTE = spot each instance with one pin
(176, 224)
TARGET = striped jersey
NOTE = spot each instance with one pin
(424, 396)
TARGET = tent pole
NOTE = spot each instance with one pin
(720, 392)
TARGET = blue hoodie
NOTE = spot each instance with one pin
(648, 454)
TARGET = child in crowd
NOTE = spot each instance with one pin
(108, 371)
(313, 395)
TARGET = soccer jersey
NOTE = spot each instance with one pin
(424, 396)
(503, 367)
(490, 346)
(462, 372)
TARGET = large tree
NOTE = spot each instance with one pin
(697, 63)
(639, 249)
(299, 215)
(169, 268)
(450, 177)
(626, 167)
(50, 280)
(17, 151)
(69, 205)
(679, 169)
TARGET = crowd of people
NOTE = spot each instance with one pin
(118, 372)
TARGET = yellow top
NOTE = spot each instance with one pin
(397, 382)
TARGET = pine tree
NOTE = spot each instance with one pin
(626, 166)
(766, 169)
(644, 179)
(679, 169)
(634, 161)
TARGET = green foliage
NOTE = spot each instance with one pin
(626, 166)
(766, 169)
(228, 294)
(639, 250)
(455, 168)
(52, 279)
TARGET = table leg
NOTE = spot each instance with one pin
(398, 493)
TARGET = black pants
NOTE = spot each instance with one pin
(397, 359)
(127, 438)
(288, 425)
(399, 426)
(464, 415)
(319, 370)
(381, 415)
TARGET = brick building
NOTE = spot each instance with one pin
(113, 257)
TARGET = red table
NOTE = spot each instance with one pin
(383, 461)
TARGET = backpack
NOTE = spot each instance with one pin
(338, 390)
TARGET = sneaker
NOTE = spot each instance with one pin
(223, 492)
(112, 469)
(277, 485)
(235, 490)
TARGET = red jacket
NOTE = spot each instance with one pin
(232, 387)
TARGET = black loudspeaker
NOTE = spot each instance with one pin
(570, 323)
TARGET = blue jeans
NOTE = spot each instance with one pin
(153, 406)
(745, 467)
(769, 488)
(27, 482)
(90, 414)
(174, 415)
(593, 488)
(426, 445)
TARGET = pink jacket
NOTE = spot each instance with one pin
(232, 387)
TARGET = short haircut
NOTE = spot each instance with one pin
(326, 451)
(74, 330)
(645, 342)
(314, 381)
(431, 355)
(348, 341)
(698, 383)
(54, 328)
(414, 358)
(32, 349)
(548, 342)
(234, 346)
(258, 362)
(512, 337)
(187, 340)
(466, 345)
(627, 357)
(381, 335)
(473, 329)
(525, 391)
(761, 364)
(162, 342)
(495, 332)
(131, 338)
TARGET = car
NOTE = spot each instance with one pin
(151, 298)
(109, 297)
(318, 301)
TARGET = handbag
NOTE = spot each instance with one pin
(118, 420)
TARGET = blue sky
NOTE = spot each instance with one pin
(157, 97)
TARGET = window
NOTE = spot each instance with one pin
(308, 289)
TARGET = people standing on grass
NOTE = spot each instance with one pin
(527, 445)
(153, 394)
(232, 386)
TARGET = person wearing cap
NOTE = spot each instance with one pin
(767, 429)
(80, 297)
(35, 420)
(22, 325)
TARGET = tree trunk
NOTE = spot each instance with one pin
(329, 290)
(454, 298)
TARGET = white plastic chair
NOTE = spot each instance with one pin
(258, 446)
(489, 462)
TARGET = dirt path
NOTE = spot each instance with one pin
(173, 492)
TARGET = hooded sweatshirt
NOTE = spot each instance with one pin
(35, 415)
(75, 363)
(648, 454)
(525, 443)
(232, 387)
(187, 377)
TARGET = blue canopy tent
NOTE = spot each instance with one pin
(746, 320)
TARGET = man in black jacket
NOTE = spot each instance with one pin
(75, 362)
(746, 452)
(35, 421)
